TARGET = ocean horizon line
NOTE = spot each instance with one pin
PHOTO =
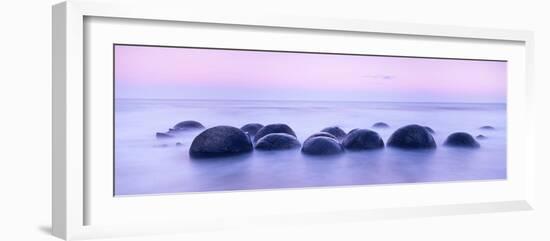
(320, 101)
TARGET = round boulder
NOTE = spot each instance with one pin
(335, 131)
(273, 128)
(220, 141)
(277, 141)
(187, 125)
(252, 128)
(321, 145)
(461, 139)
(412, 137)
(486, 128)
(429, 129)
(380, 125)
(481, 137)
(325, 134)
(362, 139)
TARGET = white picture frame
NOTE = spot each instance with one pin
(75, 196)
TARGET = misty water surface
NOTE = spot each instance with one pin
(145, 165)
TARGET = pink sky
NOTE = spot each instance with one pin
(187, 73)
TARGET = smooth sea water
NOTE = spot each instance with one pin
(146, 165)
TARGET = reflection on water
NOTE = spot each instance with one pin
(145, 165)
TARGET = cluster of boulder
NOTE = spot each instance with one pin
(228, 140)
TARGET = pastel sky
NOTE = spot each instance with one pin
(190, 73)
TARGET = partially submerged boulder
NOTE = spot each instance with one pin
(277, 141)
(187, 125)
(362, 139)
(335, 131)
(220, 141)
(412, 137)
(161, 135)
(461, 139)
(273, 128)
(252, 128)
(486, 128)
(380, 125)
(325, 134)
(321, 145)
(481, 137)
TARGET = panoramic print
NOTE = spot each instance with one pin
(203, 119)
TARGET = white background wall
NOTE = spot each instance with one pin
(25, 122)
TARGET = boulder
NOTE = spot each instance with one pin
(179, 144)
(325, 134)
(335, 131)
(273, 128)
(429, 129)
(321, 145)
(187, 125)
(220, 141)
(380, 125)
(277, 141)
(412, 137)
(486, 128)
(481, 137)
(161, 135)
(461, 139)
(252, 128)
(362, 139)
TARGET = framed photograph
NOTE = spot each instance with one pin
(177, 121)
